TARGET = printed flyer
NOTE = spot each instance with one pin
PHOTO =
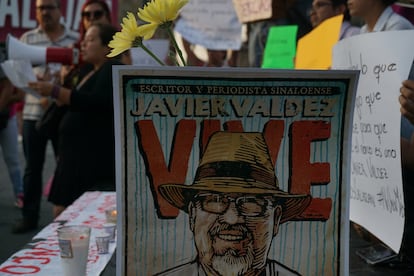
(232, 171)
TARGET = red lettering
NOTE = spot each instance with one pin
(155, 163)
(21, 259)
(303, 173)
(20, 269)
(273, 133)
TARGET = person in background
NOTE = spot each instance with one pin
(86, 133)
(9, 133)
(378, 15)
(324, 9)
(92, 11)
(284, 12)
(406, 100)
(49, 33)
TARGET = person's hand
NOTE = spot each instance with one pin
(407, 153)
(44, 102)
(44, 88)
(406, 100)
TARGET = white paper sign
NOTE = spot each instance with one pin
(384, 60)
(212, 24)
(20, 73)
(157, 46)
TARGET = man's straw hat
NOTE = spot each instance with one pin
(236, 163)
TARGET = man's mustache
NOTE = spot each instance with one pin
(217, 228)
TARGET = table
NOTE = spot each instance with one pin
(41, 256)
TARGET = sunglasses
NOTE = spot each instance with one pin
(93, 14)
(46, 8)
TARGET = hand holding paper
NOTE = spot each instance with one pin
(20, 73)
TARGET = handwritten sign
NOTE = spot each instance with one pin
(212, 24)
(314, 50)
(165, 118)
(253, 10)
(384, 60)
(280, 47)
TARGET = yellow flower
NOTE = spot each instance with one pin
(159, 13)
(129, 36)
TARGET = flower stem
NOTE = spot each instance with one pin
(172, 38)
(152, 55)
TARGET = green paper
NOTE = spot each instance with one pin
(280, 49)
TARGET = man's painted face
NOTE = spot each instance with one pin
(233, 232)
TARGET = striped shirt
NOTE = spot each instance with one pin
(32, 109)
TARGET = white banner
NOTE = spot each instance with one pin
(212, 24)
(41, 256)
(384, 60)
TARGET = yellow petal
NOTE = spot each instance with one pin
(123, 40)
(147, 31)
(161, 11)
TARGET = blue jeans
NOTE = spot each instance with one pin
(9, 145)
(34, 146)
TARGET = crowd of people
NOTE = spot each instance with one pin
(84, 144)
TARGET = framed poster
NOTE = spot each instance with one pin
(232, 171)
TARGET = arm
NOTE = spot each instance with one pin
(9, 94)
(98, 96)
(407, 100)
(192, 59)
(46, 89)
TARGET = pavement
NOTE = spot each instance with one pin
(11, 243)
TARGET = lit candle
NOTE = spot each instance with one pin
(111, 215)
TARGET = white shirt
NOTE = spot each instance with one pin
(32, 109)
(389, 21)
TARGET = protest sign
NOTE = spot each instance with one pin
(183, 130)
(280, 47)
(314, 50)
(384, 60)
(211, 24)
(253, 10)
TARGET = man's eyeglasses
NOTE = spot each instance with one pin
(92, 14)
(251, 206)
(46, 8)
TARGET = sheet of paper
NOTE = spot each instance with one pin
(384, 60)
(210, 23)
(20, 73)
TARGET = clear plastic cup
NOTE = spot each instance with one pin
(74, 248)
(110, 228)
(102, 242)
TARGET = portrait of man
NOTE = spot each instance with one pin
(235, 208)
